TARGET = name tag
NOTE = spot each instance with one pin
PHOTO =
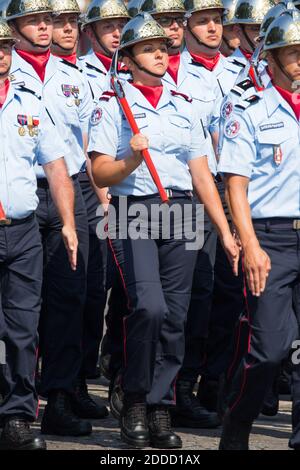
(275, 125)
(139, 116)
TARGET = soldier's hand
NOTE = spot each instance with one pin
(232, 252)
(138, 143)
(71, 243)
(257, 267)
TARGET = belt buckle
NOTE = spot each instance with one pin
(296, 224)
(5, 222)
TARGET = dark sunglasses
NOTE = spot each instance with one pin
(167, 21)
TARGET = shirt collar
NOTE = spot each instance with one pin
(273, 100)
(137, 99)
(92, 59)
(20, 64)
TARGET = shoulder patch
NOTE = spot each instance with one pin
(244, 104)
(107, 95)
(232, 128)
(227, 109)
(242, 86)
(181, 95)
(96, 116)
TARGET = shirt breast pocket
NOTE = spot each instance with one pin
(273, 148)
(180, 131)
(69, 105)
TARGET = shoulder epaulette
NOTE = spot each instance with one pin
(92, 67)
(22, 87)
(107, 95)
(73, 66)
(242, 86)
(247, 102)
(240, 64)
(181, 95)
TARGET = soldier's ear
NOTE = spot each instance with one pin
(128, 62)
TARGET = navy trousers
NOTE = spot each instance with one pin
(21, 269)
(157, 275)
(272, 322)
(93, 315)
(63, 294)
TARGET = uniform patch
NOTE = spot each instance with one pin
(232, 129)
(96, 116)
(275, 125)
(227, 109)
(277, 155)
(139, 116)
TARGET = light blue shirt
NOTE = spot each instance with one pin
(243, 89)
(205, 102)
(175, 136)
(262, 143)
(68, 97)
(19, 153)
(95, 73)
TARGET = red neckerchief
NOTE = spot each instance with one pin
(151, 93)
(38, 60)
(69, 58)
(4, 87)
(246, 54)
(174, 62)
(291, 98)
(209, 63)
(106, 61)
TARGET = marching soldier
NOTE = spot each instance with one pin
(157, 274)
(247, 20)
(260, 161)
(68, 97)
(64, 45)
(230, 38)
(27, 135)
(103, 23)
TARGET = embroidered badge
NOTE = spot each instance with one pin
(232, 129)
(274, 125)
(277, 154)
(227, 109)
(96, 116)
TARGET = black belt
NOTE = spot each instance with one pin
(171, 193)
(277, 223)
(10, 222)
(43, 182)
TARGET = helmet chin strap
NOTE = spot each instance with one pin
(201, 43)
(246, 36)
(143, 69)
(65, 49)
(100, 43)
(232, 49)
(279, 64)
(34, 44)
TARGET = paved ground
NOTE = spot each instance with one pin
(268, 433)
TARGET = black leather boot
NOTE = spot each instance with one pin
(59, 418)
(161, 435)
(83, 405)
(116, 396)
(133, 421)
(235, 434)
(17, 435)
(188, 411)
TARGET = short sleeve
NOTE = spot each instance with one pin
(103, 134)
(238, 150)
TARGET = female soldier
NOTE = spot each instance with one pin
(156, 270)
